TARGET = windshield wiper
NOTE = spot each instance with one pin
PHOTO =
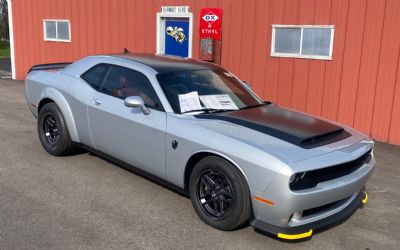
(255, 106)
(207, 111)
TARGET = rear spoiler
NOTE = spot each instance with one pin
(49, 66)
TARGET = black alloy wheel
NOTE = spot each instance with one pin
(53, 131)
(219, 193)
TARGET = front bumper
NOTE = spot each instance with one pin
(306, 230)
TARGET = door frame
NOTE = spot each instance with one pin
(160, 21)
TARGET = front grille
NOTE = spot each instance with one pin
(312, 178)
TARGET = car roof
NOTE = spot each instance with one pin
(166, 63)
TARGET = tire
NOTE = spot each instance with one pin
(53, 131)
(229, 188)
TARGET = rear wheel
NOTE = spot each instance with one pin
(53, 131)
(219, 193)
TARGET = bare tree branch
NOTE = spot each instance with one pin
(4, 20)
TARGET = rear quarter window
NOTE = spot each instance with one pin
(95, 75)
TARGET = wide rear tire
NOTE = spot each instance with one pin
(53, 131)
(219, 193)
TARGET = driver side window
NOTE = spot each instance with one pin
(122, 82)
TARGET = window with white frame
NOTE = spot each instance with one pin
(302, 41)
(57, 30)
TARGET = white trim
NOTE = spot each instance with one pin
(332, 37)
(160, 38)
(301, 42)
(11, 33)
(300, 55)
(56, 39)
(302, 26)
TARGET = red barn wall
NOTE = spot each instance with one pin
(360, 87)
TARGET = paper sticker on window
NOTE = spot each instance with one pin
(218, 102)
(189, 101)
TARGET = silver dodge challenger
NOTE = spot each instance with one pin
(197, 129)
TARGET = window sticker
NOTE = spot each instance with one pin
(218, 102)
(189, 101)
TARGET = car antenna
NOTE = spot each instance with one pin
(126, 51)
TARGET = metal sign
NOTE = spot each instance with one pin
(210, 23)
(175, 9)
(210, 18)
(176, 42)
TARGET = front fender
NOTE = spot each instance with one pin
(62, 103)
(223, 156)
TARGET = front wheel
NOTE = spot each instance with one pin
(219, 193)
(53, 131)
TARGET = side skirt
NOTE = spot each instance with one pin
(135, 170)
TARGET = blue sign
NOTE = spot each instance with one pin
(176, 37)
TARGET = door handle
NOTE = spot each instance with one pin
(96, 102)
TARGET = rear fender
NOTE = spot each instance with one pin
(62, 103)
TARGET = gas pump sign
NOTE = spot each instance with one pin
(210, 23)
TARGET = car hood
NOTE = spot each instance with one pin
(288, 135)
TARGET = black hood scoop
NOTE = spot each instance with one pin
(299, 129)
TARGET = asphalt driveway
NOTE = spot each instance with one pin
(84, 202)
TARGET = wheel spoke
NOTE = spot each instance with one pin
(56, 132)
(50, 139)
(215, 194)
(223, 182)
(207, 184)
(221, 206)
(50, 122)
(206, 199)
(226, 193)
(228, 202)
(208, 178)
(216, 206)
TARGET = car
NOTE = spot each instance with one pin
(198, 129)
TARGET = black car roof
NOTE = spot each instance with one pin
(165, 63)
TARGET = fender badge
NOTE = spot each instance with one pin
(174, 144)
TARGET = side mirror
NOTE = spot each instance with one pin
(136, 102)
(246, 84)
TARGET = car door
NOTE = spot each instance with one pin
(126, 133)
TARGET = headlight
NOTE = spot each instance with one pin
(296, 177)
(292, 178)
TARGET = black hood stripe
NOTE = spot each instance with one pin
(296, 128)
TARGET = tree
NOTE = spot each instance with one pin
(4, 20)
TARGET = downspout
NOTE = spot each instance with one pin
(11, 34)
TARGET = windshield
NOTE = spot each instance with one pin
(206, 90)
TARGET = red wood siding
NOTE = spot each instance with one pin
(359, 87)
